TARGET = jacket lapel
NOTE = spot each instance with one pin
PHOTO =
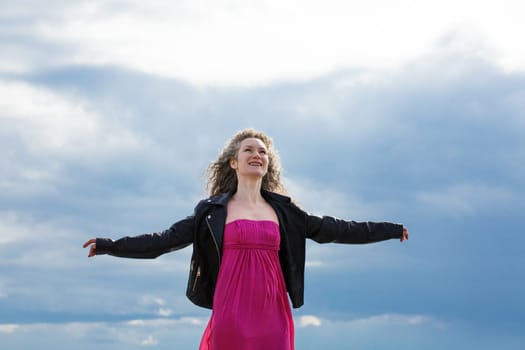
(216, 218)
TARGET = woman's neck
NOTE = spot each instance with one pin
(249, 192)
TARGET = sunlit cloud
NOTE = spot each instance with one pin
(150, 299)
(261, 42)
(19, 229)
(196, 321)
(313, 263)
(48, 122)
(309, 320)
(312, 198)
(372, 321)
(11, 228)
(466, 198)
(386, 319)
(167, 322)
(8, 328)
(165, 312)
(149, 341)
(129, 333)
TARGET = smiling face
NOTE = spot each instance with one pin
(252, 158)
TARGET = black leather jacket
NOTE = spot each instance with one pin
(205, 228)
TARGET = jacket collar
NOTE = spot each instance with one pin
(220, 199)
(223, 198)
(273, 196)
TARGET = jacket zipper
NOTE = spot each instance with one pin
(197, 276)
(214, 240)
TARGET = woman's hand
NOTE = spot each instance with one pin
(92, 243)
(405, 234)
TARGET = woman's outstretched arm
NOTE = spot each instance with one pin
(328, 229)
(146, 246)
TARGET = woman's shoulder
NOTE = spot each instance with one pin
(218, 199)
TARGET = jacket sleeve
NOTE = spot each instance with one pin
(327, 229)
(149, 246)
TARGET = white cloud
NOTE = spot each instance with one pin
(324, 200)
(48, 122)
(390, 331)
(392, 319)
(42, 131)
(164, 312)
(257, 42)
(196, 321)
(149, 341)
(27, 243)
(164, 322)
(151, 299)
(8, 328)
(157, 301)
(373, 321)
(465, 198)
(382, 331)
(309, 320)
(313, 263)
(89, 334)
(10, 228)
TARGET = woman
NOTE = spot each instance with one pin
(248, 247)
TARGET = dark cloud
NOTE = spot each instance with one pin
(435, 145)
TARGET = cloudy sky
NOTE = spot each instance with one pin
(405, 111)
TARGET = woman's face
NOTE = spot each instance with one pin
(252, 158)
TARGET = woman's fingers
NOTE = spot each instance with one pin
(92, 251)
(92, 246)
(405, 234)
(91, 241)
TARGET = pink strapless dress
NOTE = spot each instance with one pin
(251, 310)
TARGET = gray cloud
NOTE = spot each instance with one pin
(107, 151)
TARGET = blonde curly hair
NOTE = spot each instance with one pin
(222, 178)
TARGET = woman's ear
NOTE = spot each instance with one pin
(233, 164)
